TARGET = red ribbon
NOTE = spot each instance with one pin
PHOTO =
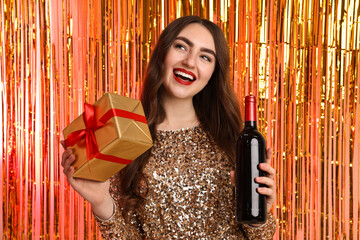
(91, 125)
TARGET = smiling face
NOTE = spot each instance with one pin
(190, 62)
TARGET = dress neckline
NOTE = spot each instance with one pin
(177, 130)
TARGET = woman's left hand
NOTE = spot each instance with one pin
(268, 180)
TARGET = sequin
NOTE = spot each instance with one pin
(190, 195)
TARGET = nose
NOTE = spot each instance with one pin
(190, 60)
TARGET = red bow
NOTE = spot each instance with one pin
(91, 126)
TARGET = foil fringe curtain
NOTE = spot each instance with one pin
(301, 58)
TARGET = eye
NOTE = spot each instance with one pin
(180, 46)
(206, 58)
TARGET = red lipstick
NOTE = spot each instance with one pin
(180, 80)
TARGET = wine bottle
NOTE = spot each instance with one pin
(250, 152)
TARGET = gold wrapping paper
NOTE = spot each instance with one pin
(120, 137)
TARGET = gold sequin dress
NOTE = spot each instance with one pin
(190, 195)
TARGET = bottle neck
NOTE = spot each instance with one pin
(250, 124)
(250, 112)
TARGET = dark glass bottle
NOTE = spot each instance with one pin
(250, 152)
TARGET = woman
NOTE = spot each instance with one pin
(181, 188)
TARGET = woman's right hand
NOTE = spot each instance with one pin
(96, 193)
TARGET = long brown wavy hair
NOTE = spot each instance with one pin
(216, 105)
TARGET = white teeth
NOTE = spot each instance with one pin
(184, 75)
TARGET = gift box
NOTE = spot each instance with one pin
(107, 136)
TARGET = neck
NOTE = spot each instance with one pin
(250, 124)
(180, 113)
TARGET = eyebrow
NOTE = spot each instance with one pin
(191, 44)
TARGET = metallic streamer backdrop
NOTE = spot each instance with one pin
(301, 58)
